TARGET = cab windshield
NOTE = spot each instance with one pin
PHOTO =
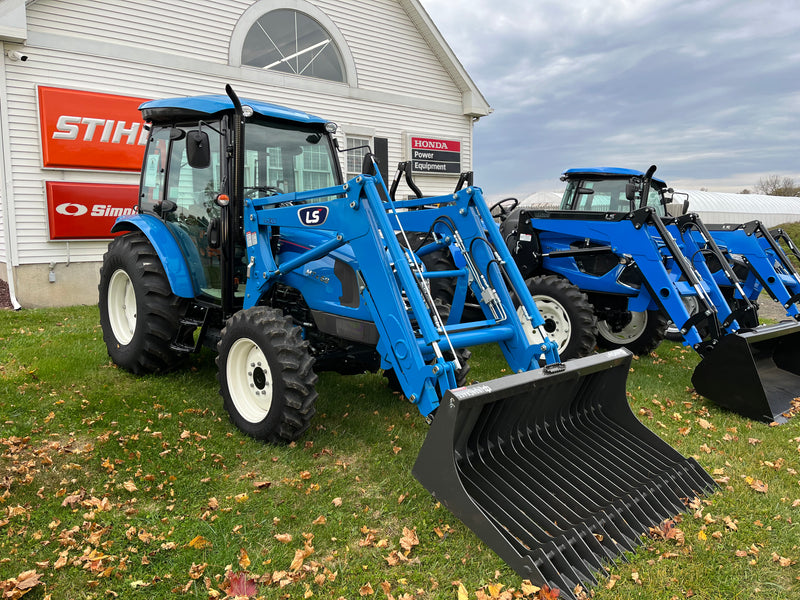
(607, 195)
(280, 159)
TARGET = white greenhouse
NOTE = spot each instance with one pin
(719, 207)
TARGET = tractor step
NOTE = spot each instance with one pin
(196, 316)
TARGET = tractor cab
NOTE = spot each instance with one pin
(609, 189)
(189, 179)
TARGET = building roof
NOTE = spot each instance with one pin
(722, 207)
(474, 102)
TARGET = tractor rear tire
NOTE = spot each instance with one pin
(139, 314)
(266, 375)
(568, 315)
(641, 335)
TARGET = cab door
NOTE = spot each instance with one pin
(184, 197)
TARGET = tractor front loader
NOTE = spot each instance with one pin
(640, 268)
(248, 241)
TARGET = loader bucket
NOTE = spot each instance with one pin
(755, 373)
(551, 469)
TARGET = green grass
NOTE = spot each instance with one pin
(139, 487)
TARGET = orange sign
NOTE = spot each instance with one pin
(90, 130)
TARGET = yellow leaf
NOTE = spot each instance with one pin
(463, 594)
(528, 588)
(495, 589)
(701, 535)
(199, 542)
(244, 560)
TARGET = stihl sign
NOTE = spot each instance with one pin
(87, 210)
(89, 130)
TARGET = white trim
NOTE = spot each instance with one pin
(6, 185)
(262, 7)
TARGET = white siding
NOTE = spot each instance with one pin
(183, 50)
(390, 53)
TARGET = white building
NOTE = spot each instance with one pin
(73, 72)
(719, 207)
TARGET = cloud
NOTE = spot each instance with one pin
(707, 88)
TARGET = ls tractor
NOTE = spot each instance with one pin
(248, 241)
(613, 241)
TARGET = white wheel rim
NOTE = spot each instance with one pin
(692, 305)
(557, 323)
(122, 307)
(249, 380)
(630, 333)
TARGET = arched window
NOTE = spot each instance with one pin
(290, 41)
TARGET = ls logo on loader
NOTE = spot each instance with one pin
(313, 216)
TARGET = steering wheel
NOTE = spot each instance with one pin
(502, 209)
(266, 190)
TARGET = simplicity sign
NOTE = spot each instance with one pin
(435, 156)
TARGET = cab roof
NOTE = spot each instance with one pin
(172, 109)
(608, 172)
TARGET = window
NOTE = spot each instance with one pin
(281, 159)
(355, 158)
(290, 41)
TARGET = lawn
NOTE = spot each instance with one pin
(139, 487)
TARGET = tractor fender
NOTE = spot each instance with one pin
(163, 240)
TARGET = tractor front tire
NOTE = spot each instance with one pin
(568, 315)
(139, 314)
(266, 375)
(642, 333)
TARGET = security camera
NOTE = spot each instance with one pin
(17, 55)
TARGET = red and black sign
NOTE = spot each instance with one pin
(87, 210)
(435, 156)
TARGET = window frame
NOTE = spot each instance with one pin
(262, 7)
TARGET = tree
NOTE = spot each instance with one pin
(775, 185)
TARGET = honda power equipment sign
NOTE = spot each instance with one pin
(434, 156)
(89, 131)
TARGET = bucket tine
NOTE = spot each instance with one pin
(755, 373)
(553, 471)
(552, 516)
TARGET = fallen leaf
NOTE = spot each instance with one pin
(409, 539)
(366, 590)
(199, 543)
(462, 592)
(241, 585)
(244, 559)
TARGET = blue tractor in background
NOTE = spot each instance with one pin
(248, 241)
(640, 268)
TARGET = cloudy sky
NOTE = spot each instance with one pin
(708, 90)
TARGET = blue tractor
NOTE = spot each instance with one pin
(248, 241)
(641, 268)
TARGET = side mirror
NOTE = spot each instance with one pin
(686, 206)
(198, 149)
(584, 191)
(630, 191)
